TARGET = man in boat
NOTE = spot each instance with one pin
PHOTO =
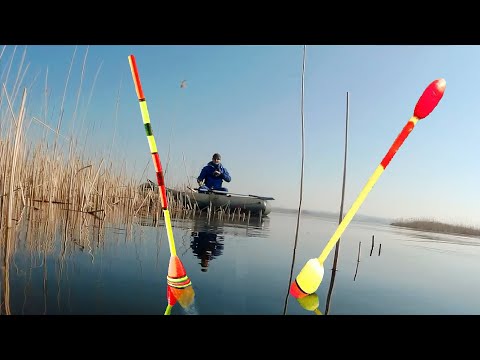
(212, 175)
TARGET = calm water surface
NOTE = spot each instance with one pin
(239, 268)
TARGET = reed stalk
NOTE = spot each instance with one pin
(302, 117)
(340, 217)
(16, 146)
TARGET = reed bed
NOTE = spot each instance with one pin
(44, 184)
(437, 226)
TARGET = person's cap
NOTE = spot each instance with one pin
(216, 156)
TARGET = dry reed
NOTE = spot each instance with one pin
(437, 226)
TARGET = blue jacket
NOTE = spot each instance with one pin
(211, 181)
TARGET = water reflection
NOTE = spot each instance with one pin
(310, 302)
(205, 236)
(208, 235)
(436, 242)
(119, 268)
(183, 296)
(206, 246)
(6, 273)
(171, 301)
(420, 236)
(253, 227)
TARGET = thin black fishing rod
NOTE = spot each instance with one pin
(340, 218)
(301, 177)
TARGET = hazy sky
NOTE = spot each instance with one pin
(245, 103)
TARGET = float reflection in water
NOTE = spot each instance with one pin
(311, 303)
(171, 301)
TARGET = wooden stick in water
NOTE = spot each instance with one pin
(337, 245)
(373, 244)
(358, 260)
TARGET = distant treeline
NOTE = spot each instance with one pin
(436, 226)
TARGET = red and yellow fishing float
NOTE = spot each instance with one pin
(177, 277)
(311, 275)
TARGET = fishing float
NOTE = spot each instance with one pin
(309, 278)
(177, 277)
